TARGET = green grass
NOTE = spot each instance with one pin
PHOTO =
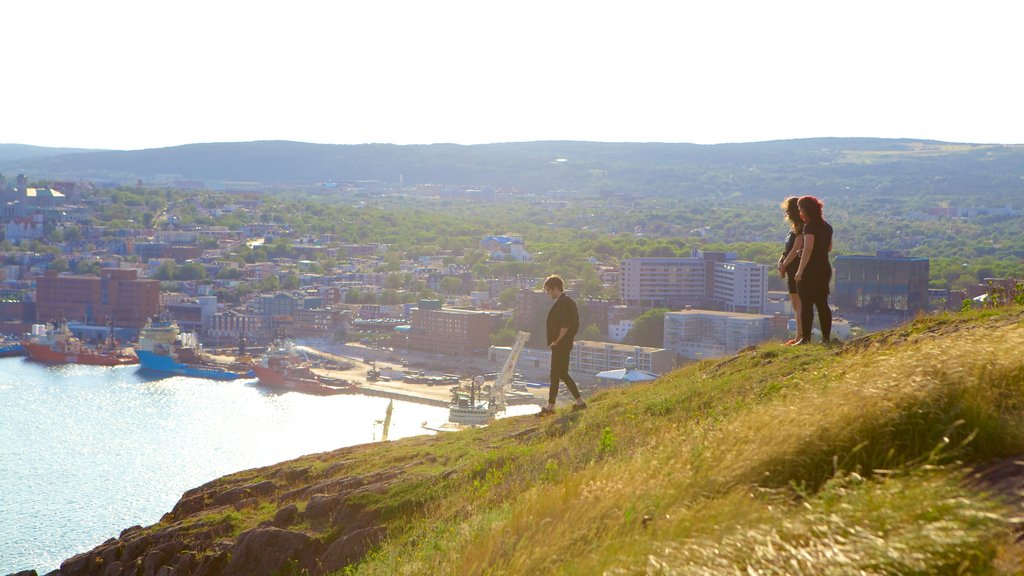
(805, 460)
(776, 461)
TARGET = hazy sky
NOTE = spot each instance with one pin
(143, 74)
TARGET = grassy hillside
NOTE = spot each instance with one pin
(864, 458)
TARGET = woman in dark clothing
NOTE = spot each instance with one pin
(790, 259)
(814, 272)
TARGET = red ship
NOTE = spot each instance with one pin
(57, 346)
(282, 367)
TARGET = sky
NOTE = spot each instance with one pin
(140, 74)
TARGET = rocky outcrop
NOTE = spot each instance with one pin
(266, 551)
(205, 533)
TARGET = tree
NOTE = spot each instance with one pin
(270, 284)
(59, 265)
(648, 329)
(290, 282)
(166, 270)
(228, 273)
(352, 296)
(191, 271)
(88, 267)
(590, 284)
(507, 298)
(591, 332)
(451, 285)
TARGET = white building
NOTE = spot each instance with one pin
(707, 280)
(617, 332)
(700, 334)
(741, 286)
(589, 357)
(658, 282)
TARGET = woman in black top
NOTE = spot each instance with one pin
(814, 273)
(790, 259)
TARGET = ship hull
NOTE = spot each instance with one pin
(8, 350)
(167, 365)
(273, 378)
(47, 355)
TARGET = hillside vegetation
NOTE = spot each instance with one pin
(857, 167)
(893, 454)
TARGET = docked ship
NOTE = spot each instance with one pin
(467, 408)
(283, 367)
(56, 345)
(164, 348)
(11, 347)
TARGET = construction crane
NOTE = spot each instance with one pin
(504, 380)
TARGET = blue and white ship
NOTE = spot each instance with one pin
(10, 347)
(165, 348)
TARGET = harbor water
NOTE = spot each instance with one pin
(87, 451)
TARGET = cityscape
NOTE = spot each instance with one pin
(709, 303)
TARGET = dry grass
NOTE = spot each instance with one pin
(777, 461)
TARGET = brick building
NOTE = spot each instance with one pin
(116, 295)
(449, 331)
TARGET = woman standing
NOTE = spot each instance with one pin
(789, 261)
(814, 272)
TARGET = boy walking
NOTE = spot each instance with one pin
(562, 325)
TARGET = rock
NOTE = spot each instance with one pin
(113, 569)
(77, 565)
(351, 548)
(247, 503)
(286, 516)
(25, 573)
(236, 495)
(212, 564)
(155, 559)
(323, 510)
(264, 551)
(129, 531)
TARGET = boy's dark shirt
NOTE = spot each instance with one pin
(563, 313)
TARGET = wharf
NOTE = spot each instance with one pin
(437, 395)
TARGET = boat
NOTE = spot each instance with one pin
(56, 345)
(11, 347)
(467, 408)
(164, 348)
(283, 367)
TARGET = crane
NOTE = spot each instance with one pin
(501, 384)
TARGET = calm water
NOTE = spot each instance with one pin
(88, 451)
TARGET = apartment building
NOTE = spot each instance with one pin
(710, 280)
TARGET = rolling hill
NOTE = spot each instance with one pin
(862, 166)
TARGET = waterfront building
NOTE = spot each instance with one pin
(591, 357)
(448, 331)
(117, 295)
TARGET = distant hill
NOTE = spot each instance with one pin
(762, 169)
(11, 154)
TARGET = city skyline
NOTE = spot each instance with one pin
(122, 75)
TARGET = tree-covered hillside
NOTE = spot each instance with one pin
(859, 167)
